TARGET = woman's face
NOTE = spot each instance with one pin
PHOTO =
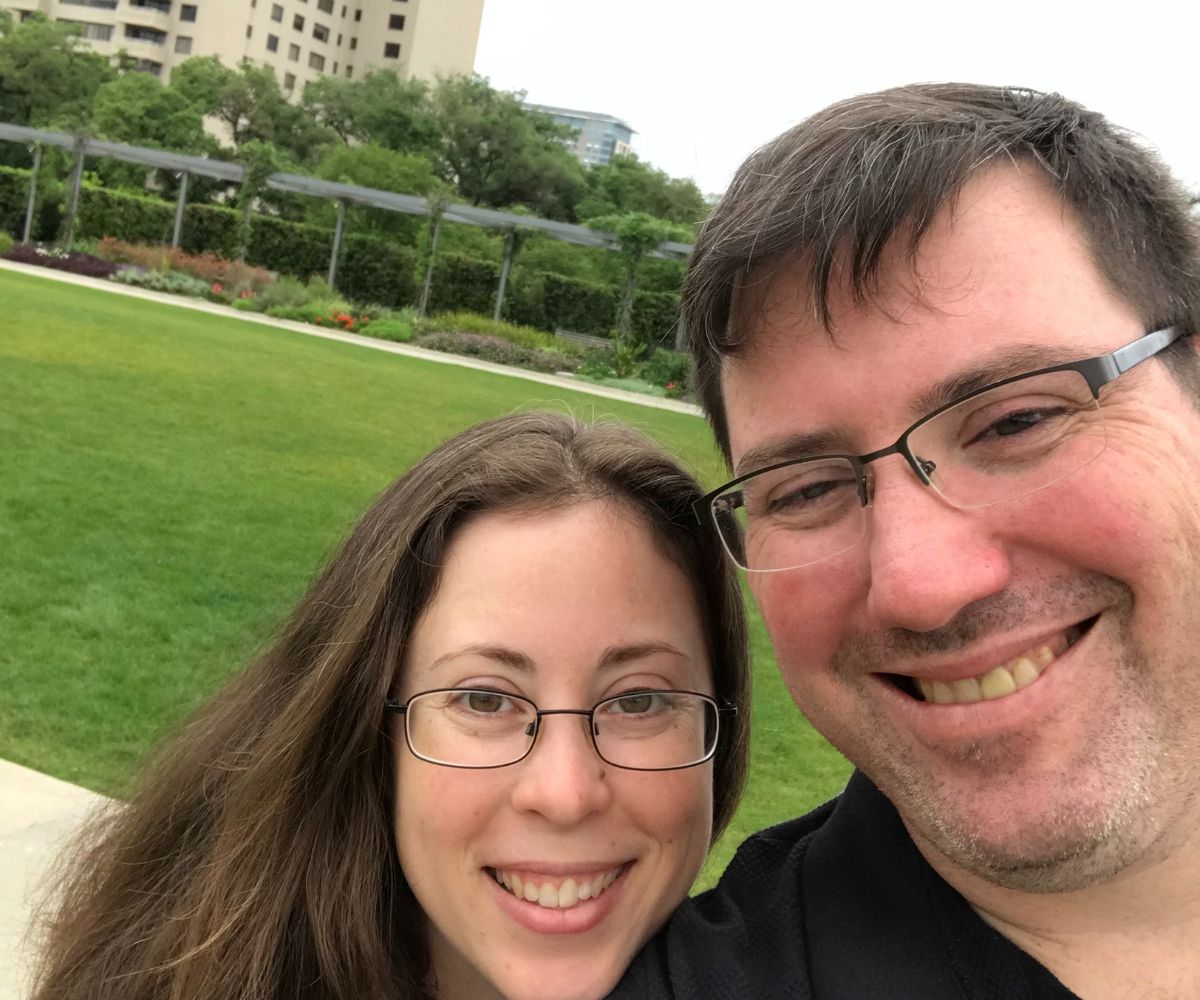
(566, 609)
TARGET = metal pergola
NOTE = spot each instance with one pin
(341, 194)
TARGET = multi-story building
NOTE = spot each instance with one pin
(299, 39)
(598, 138)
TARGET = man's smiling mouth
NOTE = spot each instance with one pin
(553, 893)
(996, 682)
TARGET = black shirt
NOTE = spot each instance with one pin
(836, 905)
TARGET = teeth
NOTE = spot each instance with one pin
(996, 683)
(551, 896)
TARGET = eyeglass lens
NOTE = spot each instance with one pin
(641, 730)
(998, 445)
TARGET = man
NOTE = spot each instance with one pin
(943, 336)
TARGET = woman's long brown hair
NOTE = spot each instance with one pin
(255, 859)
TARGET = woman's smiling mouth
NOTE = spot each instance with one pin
(557, 893)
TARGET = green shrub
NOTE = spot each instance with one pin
(286, 291)
(311, 312)
(625, 358)
(665, 368)
(523, 299)
(175, 282)
(597, 364)
(523, 336)
(6, 242)
(248, 305)
(14, 197)
(390, 329)
(579, 306)
(496, 350)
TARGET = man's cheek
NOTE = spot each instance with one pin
(805, 622)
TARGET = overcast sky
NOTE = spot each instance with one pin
(704, 82)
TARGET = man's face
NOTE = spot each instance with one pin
(1073, 777)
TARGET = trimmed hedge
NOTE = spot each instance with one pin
(371, 269)
(654, 317)
(578, 306)
(14, 193)
(463, 284)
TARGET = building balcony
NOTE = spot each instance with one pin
(156, 17)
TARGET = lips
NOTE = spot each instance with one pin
(994, 682)
(552, 892)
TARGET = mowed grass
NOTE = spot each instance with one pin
(171, 481)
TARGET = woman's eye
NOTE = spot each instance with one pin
(639, 702)
(485, 702)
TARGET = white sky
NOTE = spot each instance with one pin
(705, 82)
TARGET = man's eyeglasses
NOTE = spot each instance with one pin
(643, 730)
(997, 443)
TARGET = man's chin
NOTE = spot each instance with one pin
(1064, 846)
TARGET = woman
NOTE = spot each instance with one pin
(462, 770)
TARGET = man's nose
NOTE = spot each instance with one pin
(563, 779)
(928, 560)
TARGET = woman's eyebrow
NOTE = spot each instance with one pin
(617, 655)
(502, 654)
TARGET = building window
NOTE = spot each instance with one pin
(276, 13)
(358, 15)
(349, 72)
(272, 43)
(335, 69)
(294, 53)
(186, 13)
(140, 34)
(353, 43)
(148, 66)
(339, 41)
(391, 50)
(298, 22)
(183, 44)
(316, 61)
(320, 33)
(343, 12)
(396, 22)
(325, 6)
(289, 82)
(249, 30)
(160, 6)
(102, 4)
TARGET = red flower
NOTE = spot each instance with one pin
(216, 288)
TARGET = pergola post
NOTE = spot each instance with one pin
(433, 241)
(337, 241)
(177, 234)
(33, 179)
(76, 186)
(681, 343)
(510, 243)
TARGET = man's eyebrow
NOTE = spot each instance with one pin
(1011, 361)
(788, 447)
(1004, 363)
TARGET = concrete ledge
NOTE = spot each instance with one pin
(40, 816)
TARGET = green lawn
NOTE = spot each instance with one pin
(170, 481)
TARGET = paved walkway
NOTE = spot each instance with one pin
(438, 357)
(38, 814)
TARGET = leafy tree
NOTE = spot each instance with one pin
(385, 170)
(637, 234)
(249, 105)
(629, 185)
(136, 108)
(498, 154)
(380, 109)
(47, 78)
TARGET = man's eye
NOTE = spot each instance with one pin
(1018, 423)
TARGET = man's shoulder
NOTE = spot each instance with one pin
(745, 936)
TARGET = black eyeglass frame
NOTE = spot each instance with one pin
(1098, 372)
(401, 708)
